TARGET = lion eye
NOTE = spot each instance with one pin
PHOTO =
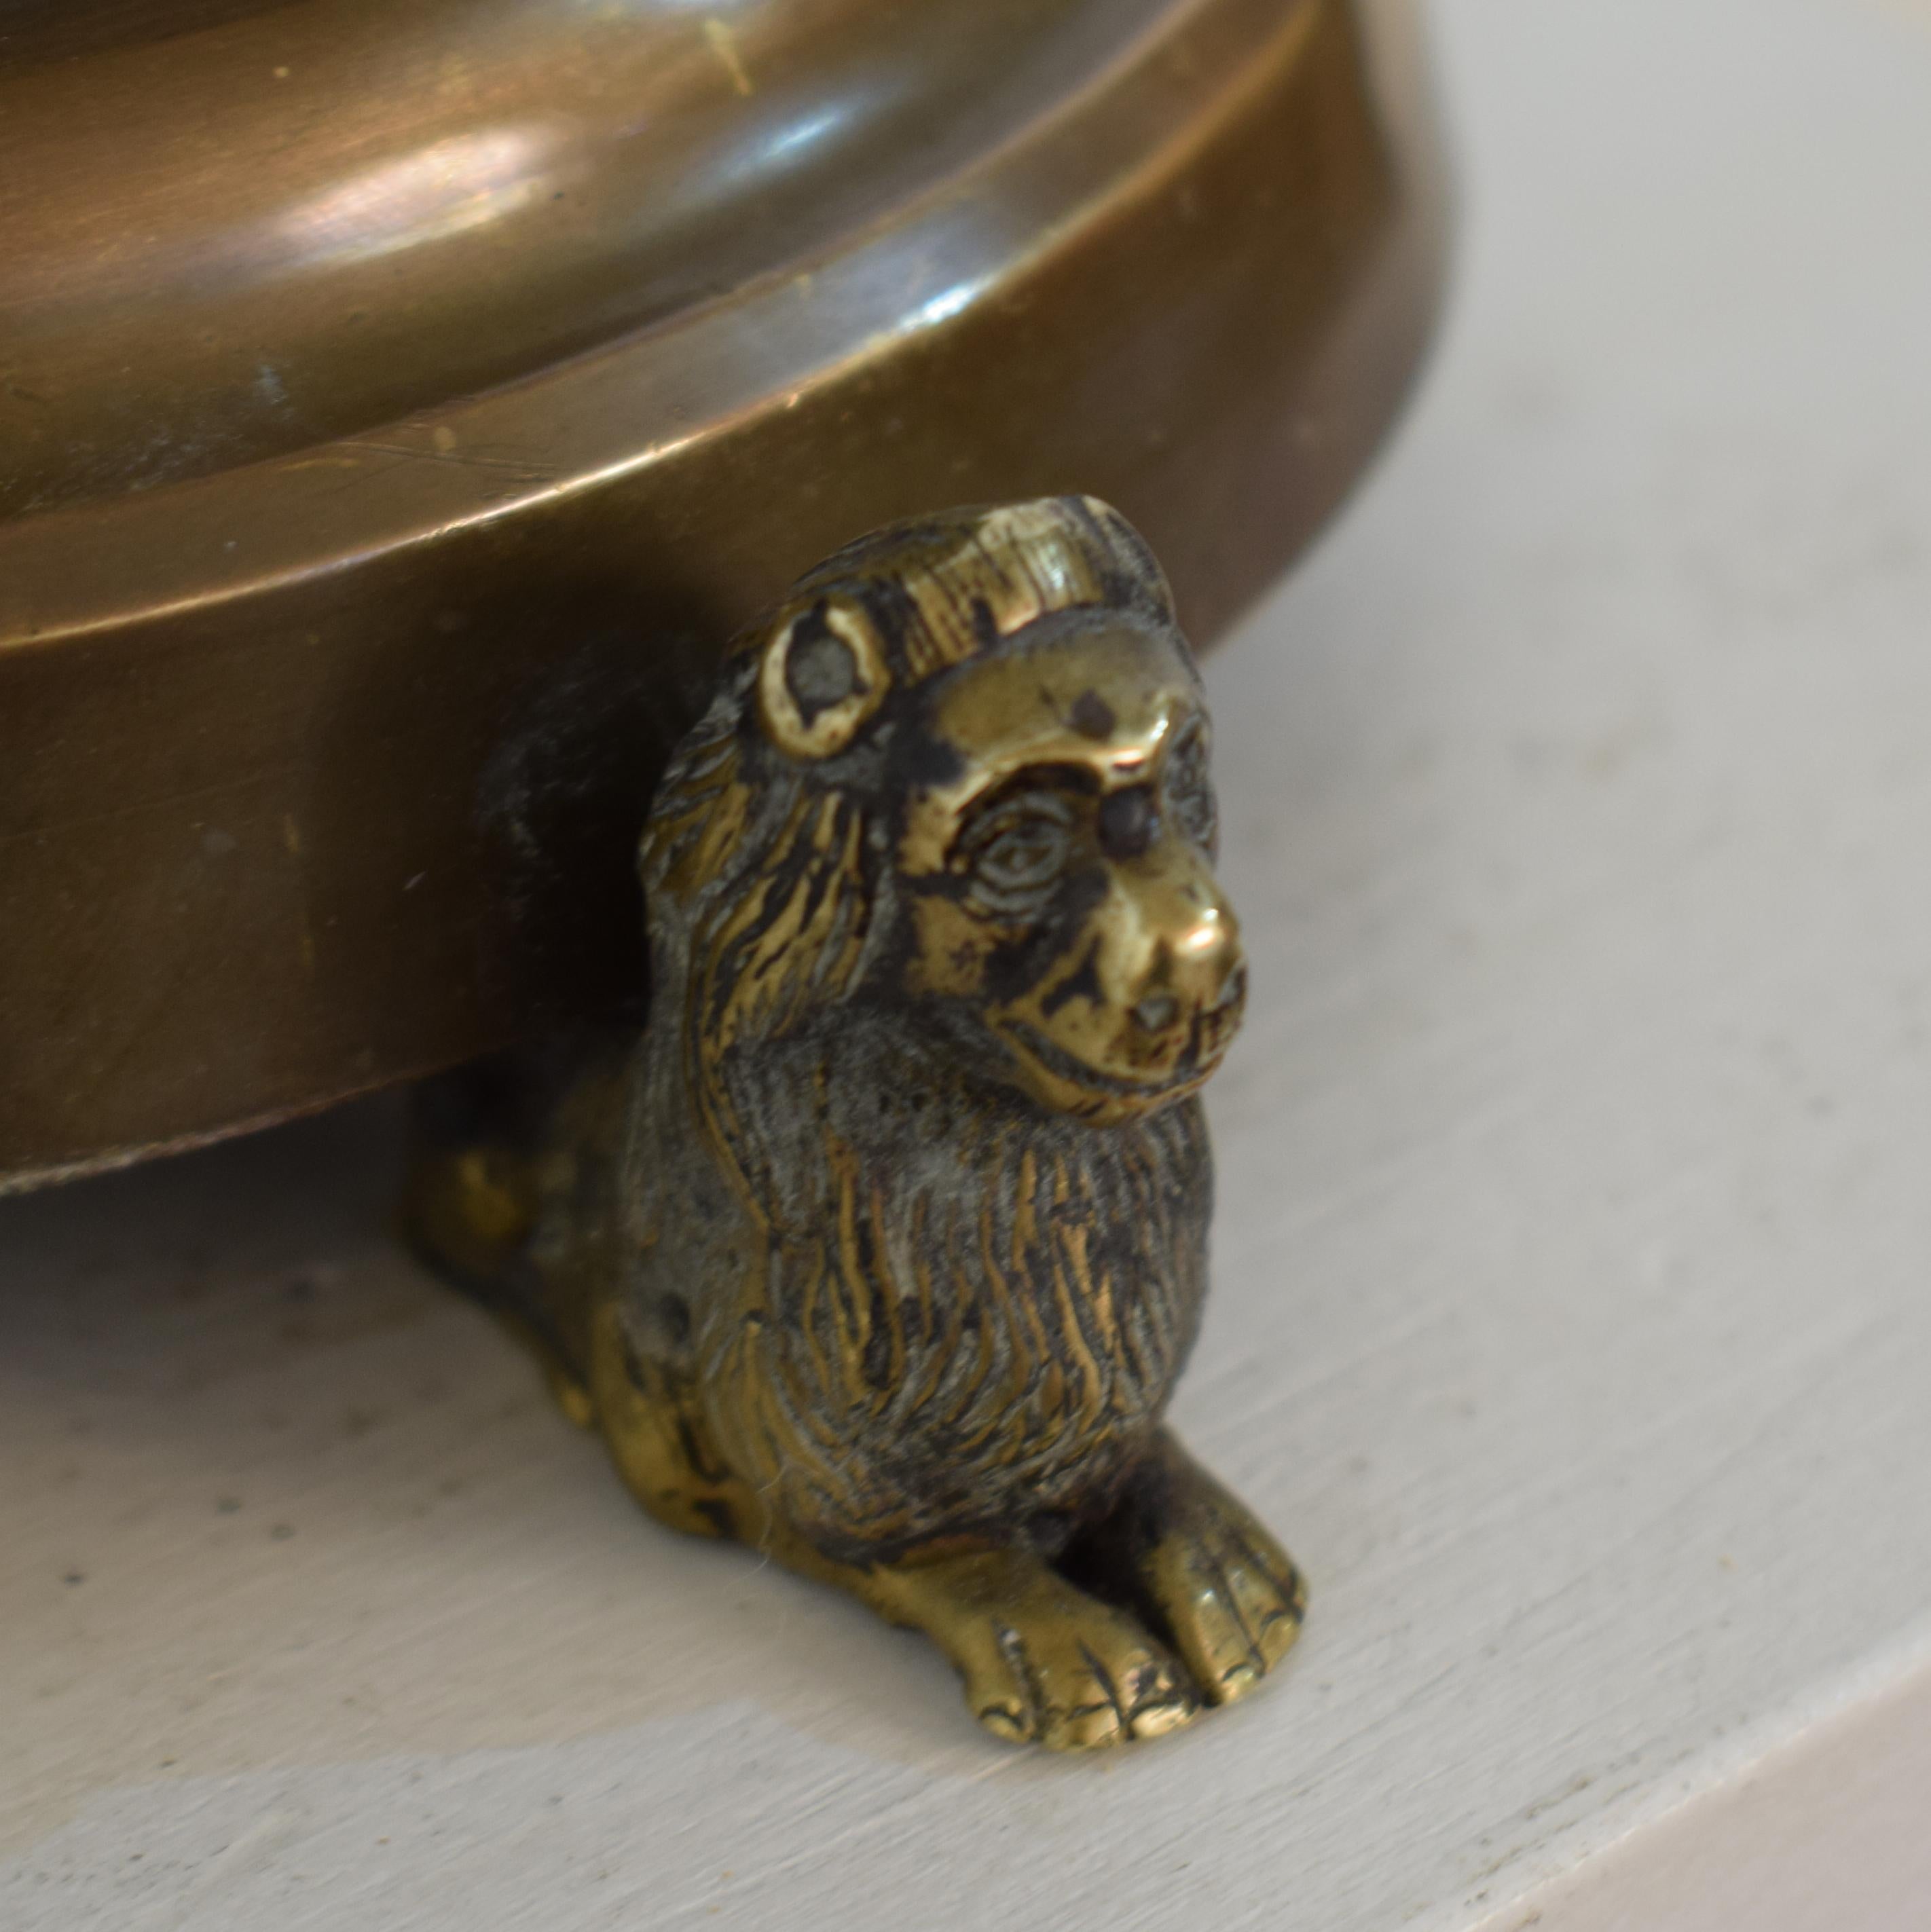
(1027, 853)
(1020, 850)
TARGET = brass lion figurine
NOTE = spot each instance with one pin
(881, 1246)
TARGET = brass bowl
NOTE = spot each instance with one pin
(401, 399)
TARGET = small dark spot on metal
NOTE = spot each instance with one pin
(1127, 822)
(1081, 984)
(1092, 716)
(931, 761)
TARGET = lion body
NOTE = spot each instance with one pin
(947, 1313)
(883, 1244)
(880, 1284)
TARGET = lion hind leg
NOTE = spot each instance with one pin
(495, 1148)
(656, 1436)
(468, 1213)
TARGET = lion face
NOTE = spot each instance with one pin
(963, 770)
(1057, 867)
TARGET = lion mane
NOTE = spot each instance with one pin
(766, 873)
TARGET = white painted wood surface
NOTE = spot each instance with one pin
(1572, 1318)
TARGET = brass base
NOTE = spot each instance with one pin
(400, 406)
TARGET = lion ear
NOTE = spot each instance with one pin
(823, 674)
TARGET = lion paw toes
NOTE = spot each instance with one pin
(1232, 1601)
(1078, 1685)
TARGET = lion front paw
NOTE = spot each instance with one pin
(1076, 1678)
(1210, 1578)
(1230, 1597)
(1043, 1663)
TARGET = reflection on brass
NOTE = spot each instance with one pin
(880, 1249)
(400, 403)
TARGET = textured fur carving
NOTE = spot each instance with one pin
(883, 1246)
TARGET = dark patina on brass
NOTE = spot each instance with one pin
(880, 1246)
(394, 393)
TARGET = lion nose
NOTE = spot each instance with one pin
(1198, 969)
(1156, 1011)
(1171, 954)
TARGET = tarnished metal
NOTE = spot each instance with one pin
(882, 1245)
(400, 399)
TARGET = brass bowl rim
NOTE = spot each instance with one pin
(634, 402)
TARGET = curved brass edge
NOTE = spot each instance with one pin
(359, 812)
(112, 1160)
(231, 237)
(824, 319)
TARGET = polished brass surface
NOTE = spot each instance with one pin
(399, 402)
(880, 1246)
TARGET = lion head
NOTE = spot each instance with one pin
(962, 772)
